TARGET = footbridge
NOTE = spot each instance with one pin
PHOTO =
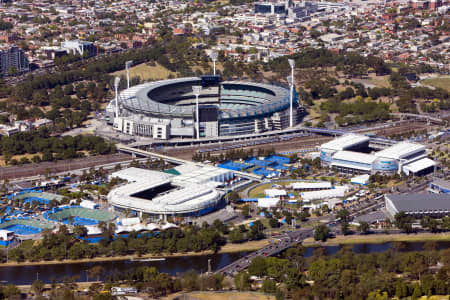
(178, 161)
(426, 118)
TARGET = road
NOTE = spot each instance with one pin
(286, 241)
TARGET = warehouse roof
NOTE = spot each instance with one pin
(420, 202)
(400, 150)
(346, 141)
(311, 185)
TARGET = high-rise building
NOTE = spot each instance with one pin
(13, 61)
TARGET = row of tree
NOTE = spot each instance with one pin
(52, 147)
(351, 276)
(66, 245)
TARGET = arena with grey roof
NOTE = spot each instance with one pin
(418, 205)
(167, 108)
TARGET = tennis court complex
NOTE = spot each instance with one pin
(80, 216)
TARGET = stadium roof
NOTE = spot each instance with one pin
(136, 99)
(187, 196)
(346, 141)
(357, 157)
(420, 202)
(138, 174)
(400, 150)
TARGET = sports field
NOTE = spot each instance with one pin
(439, 82)
(147, 72)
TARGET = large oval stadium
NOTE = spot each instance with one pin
(167, 108)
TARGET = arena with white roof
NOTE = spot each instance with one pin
(351, 153)
(159, 194)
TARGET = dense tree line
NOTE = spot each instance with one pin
(356, 112)
(66, 245)
(52, 147)
(314, 58)
(352, 276)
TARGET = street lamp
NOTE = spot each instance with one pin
(197, 89)
(116, 87)
(127, 67)
(291, 83)
(214, 56)
(291, 86)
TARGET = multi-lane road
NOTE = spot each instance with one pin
(285, 241)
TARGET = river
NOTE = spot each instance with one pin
(174, 265)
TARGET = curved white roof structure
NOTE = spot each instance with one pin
(346, 141)
(180, 198)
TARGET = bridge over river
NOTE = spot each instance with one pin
(286, 241)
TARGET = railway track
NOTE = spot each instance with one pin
(29, 170)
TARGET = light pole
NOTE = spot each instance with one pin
(197, 89)
(127, 67)
(214, 56)
(116, 87)
(291, 83)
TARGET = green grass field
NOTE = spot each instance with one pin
(146, 72)
(439, 82)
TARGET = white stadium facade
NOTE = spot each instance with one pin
(167, 108)
(192, 191)
(351, 153)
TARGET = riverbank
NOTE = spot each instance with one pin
(379, 239)
(228, 248)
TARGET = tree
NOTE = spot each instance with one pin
(258, 266)
(321, 232)
(80, 231)
(233, 197)
(343, 214)
(364, 227)
(246, 210)
(273, 222)
(38, 287)
(269, 286)
(242, 281)
(404, 222)
(345, 227)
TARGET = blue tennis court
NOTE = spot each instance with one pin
(230, 165)
(80, 221)
(260, 163)
(21, 229)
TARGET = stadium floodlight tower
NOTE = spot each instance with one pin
(291, 84)
(127, 66)
(214, 55)
(197, 89)
(116, 87)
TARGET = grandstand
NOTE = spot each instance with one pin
(76, 215)
(166, 108)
